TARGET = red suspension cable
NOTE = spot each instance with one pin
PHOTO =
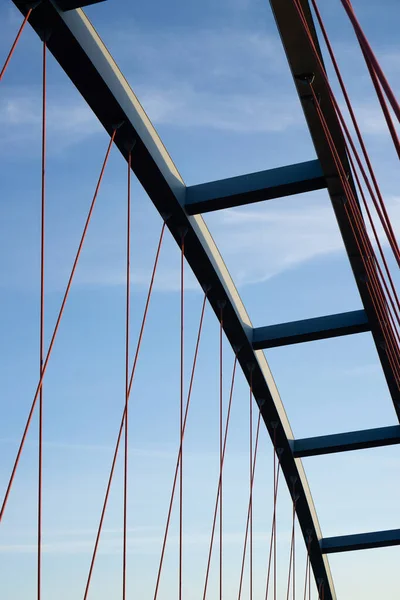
(54, 335)
(221, 330)
(307, 567)
(219, 482)
(181, 416)
(180, 447)
(41, 350)
(251, 484)
(121, 427)
(364, 247)
(292, 553)
(3, 70)
(383, 103)
(381, 209)
(249, 507)
(362, 240)
(127, 328)
(371, 57)
(375, 289)
(272, 545)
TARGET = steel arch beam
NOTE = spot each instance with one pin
(79, 50)
(304, 67)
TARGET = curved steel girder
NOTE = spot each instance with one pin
(79, 50)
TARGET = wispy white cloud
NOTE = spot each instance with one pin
(260, 243)
(69, 119)
(240, 112)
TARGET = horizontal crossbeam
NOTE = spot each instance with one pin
(360, 541)
(344, 442)
(309, 330)
(254, 187)
(71, 4)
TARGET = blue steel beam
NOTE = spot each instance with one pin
(254, 187)
(309, 330)
(344, 442)
(360, 541)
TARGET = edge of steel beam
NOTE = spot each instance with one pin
(304, 68)
(79, 50)
(254, 187)
(309, 330)
(345, 442)
(360, 541)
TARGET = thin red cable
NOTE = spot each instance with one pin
(394, 300)
(180, 447)
(380, 208)
(54, 335)
(221, 330)
(272, 544)
(181, 415)
(391, 348)
(371, 57)
(307, 567)
(121, 427)
(41, 351)
(327, 133)
(375, 290)
(251, 484)
(127, 329)
(292, 552)
(383, 103)
(249, 507)
(28, 14)
(384, 213)
(219, 481)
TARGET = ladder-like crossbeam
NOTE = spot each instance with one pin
(345, 442)
(254, 187)
(309, 330)
(360, 541)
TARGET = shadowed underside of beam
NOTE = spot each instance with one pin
(254, 187)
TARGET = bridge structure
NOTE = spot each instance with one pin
(66, 32)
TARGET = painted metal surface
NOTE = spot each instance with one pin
(361, 541)
(254, 187)
(308, 330)
(344, 442)
(76, 46)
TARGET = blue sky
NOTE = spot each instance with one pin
(214, 80)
